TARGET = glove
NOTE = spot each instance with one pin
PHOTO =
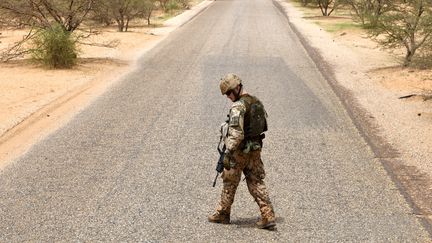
(228, 161)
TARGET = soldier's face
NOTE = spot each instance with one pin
(231, 95)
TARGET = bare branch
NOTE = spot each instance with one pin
(17, 49)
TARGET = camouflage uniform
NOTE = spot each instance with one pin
(249, 163)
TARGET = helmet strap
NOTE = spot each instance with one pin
(237, 95)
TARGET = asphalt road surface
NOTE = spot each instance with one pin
(138, 164)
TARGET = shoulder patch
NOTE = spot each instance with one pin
(234, 121)
(234, 116)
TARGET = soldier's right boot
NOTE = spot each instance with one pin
(266, 223)
(220, 217)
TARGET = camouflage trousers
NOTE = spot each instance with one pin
(252, 167)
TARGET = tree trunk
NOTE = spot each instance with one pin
(411, 48)
(408, 58)
(127, 24)
(120, 24)
(324, 7)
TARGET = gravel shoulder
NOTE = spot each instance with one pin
(369, 82)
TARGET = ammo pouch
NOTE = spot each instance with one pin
(251, 144)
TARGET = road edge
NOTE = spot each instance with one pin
(387, 155)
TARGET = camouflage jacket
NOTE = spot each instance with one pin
(236, 126)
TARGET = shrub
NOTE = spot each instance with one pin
(368, 11)
(172, 5)
(408, 24)
(55, 47)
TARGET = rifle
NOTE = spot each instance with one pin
(220, 163)
(221, 149)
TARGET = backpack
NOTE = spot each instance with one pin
(255, 121)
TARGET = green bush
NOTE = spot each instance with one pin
(55, 47)
(172, 5)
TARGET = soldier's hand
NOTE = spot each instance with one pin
(228, 160)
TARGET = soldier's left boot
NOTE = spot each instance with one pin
(220, 217)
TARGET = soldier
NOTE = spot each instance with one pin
(243, 142)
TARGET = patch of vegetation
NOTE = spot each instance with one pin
(340, 26)
(393, 24)
(74, 15)
(54, 47)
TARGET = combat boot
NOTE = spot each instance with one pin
(265, 223)
(220, 217)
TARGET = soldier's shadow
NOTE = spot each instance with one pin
(251, 222)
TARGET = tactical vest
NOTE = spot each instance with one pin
(255, 122)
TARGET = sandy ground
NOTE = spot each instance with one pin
(28, 87)
(34, 101)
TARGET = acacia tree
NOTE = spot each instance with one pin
(43, 13)
(147, 10)
(43, 17)
(368, 11)
(327, 6)
(407, 24)
(163, 4)
(123, 11)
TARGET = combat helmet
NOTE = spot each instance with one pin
(229, 82)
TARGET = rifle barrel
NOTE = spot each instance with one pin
(214, 182)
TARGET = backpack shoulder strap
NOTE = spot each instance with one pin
(248, 100)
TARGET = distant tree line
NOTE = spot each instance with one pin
(393, 23)
(53, 20)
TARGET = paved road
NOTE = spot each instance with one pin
(137, 165)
